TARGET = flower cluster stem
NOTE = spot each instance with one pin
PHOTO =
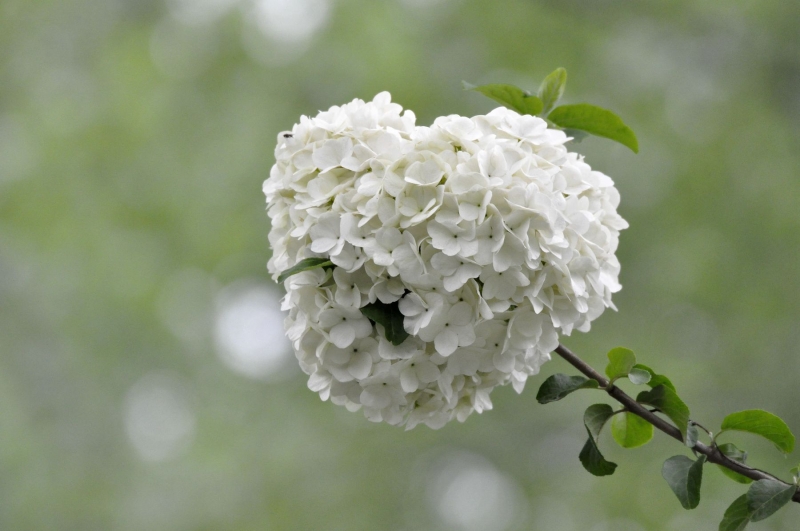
(712, 453)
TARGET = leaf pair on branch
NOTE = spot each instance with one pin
(576, 120)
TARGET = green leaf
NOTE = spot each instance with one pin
(664, 399)
(737, 516)
(592, 460)
(595, 120)
(388, 316)
(764, 424)
(639, 376)
(304, 265)
(733, 453)
(684, 477)
(631, 431)
(655, 379)
(620, 362)
(691, 435)
(551, 89)
(558, 386)
(510, 96)
(767, 496)
(595, 418)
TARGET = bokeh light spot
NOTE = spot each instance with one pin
(468, 493)
(248, 330)
(159, 418)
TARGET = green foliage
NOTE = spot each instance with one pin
(761, 423)
(620, 362)
(595, 417)
(737, 516)
(639, 376)
(306, 264)
(766, 496)
(733, 453)
(655, 379)
(592, 460)
(388, 316)
(595, 120)
(510, 96)
(684, 477)
(558, 386)
(551, 89)
(631, 431)
(664, 399)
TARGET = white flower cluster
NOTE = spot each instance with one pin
(485, 233)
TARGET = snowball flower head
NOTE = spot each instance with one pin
(450, 257)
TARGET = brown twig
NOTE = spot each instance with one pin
(712, 453)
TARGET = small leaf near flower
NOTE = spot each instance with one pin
(510, 96)
(551, 89)
(594, 120)
(684, 477)
(306, 264)
(389, 317)
(558, 386)
(761, 423)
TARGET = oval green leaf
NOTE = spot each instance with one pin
(510, 96)
(593, 461)
(762, 423)
(766, 496)
(737, 516)
(620, 362)
(684, 477)
(639, 376)
(388, 316)
(304, 265)
(631, 431)
(558, 386)
(595, 120)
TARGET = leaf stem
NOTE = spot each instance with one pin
(713, 453)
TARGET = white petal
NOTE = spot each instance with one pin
(343, 335)
(446, 342)
(360, 365)
(408, 380)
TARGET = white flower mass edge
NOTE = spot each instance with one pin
(486, 233)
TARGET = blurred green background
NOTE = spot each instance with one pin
(144, 380)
